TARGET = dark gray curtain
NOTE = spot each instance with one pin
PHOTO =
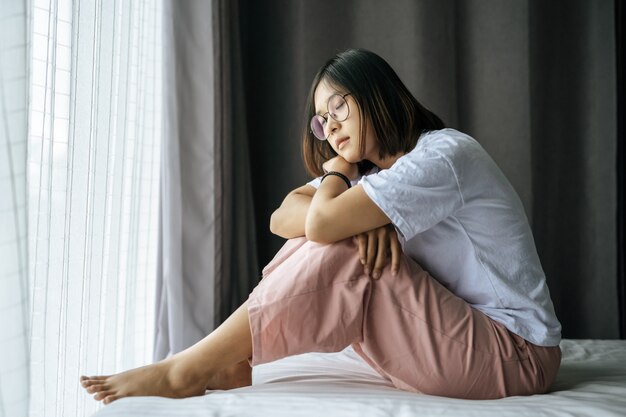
(533, 81)
(240, 272)
(574, 131)
(207, 257)
(620, 45)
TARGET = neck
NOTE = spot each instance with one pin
(388, 161)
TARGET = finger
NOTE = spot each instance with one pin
(371, 252)
(396, 251)
(381, 255)
(362, 243)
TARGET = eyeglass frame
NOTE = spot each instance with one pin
(328, 113)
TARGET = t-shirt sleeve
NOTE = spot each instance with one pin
(315, 182)
(417, 192)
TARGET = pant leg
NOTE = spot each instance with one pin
(311, 299)
(426, 339)
(411, 329)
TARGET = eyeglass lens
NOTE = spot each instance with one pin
(337, 109)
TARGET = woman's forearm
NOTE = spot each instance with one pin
(319, 223)
(288, 220)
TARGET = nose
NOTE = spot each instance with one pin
(331, 126)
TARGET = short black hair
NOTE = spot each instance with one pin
(397, 117)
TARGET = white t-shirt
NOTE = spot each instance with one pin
(458, 217)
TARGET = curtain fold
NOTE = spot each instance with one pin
(207, 262)
(533, 81)
(187, 263)
(240, 272)
(93, 176)
(574, 137)
(14, 305)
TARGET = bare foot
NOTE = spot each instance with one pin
(236, 376)
(164, 379)
(187, 373)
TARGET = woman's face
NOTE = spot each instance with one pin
(344, 137)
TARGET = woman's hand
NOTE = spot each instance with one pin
(375, 246)
(339, 164)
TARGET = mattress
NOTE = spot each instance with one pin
(591, 382)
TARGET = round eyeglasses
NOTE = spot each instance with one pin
(337, 109)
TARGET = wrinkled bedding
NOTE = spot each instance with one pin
(591, 382)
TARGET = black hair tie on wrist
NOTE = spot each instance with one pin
(337, 174)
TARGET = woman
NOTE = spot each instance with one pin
(479, 324)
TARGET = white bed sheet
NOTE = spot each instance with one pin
(591, 382)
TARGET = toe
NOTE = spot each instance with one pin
(87, 381)
(97, 388)
(110, 398)
(102, 395)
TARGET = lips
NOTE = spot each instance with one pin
(340, 142)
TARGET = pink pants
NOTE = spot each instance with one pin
(410, 328)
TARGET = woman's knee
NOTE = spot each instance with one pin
(311, 261)
(342, 249)
(339, 253)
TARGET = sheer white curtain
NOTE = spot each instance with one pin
(79, 231)
(13, 233)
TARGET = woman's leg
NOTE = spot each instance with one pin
(426, 339)
(408, 327)
(219, 361)
(316, 298)
(187, 373)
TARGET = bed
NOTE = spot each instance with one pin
(591, 382)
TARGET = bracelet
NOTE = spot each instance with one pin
(337, 174)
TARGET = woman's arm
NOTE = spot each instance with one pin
(288, 220)
(336, 213)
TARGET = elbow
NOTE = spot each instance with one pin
(311, 235)
(280, 226)
(273, 223)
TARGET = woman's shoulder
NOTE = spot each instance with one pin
(443, 149)
(445, 140)
(448, 144)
